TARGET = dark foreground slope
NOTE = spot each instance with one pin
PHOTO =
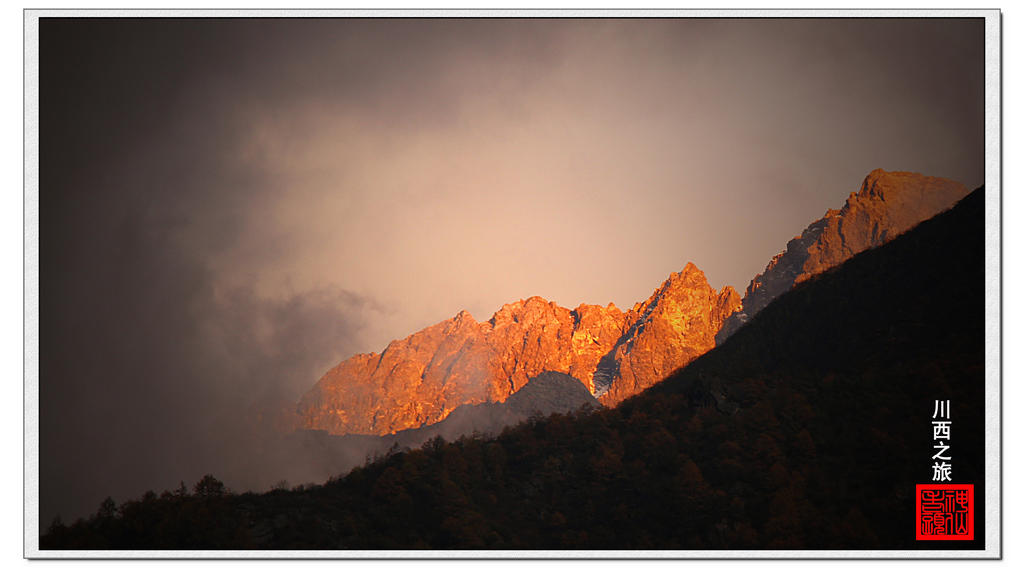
(808, 429)
(836, 384)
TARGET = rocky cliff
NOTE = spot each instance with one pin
(671, 328)
(887, 204)
(420, 380)
(545, 394)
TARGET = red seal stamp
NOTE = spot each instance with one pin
(945, 511)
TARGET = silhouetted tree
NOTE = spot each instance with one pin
(209, 487)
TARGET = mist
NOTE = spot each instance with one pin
(230, 207)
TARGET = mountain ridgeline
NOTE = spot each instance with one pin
(807, 429)
(420, 380)
(888, 204)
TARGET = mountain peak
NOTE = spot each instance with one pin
(691, 268)
(420, 380)
(887, 204)
(668, 330)
(880, 184)
(690, 271)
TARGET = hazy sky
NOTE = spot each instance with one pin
(230, 207)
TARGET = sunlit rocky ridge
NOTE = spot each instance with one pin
(418, 381)
(887, 204)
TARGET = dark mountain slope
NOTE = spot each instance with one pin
(836, 383)
(808, 429)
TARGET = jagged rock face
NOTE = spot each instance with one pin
(597, 331)
(420, 380)
(528, 338)
(888, 204)
(430, 372)
(545, 394)
(674, 326)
